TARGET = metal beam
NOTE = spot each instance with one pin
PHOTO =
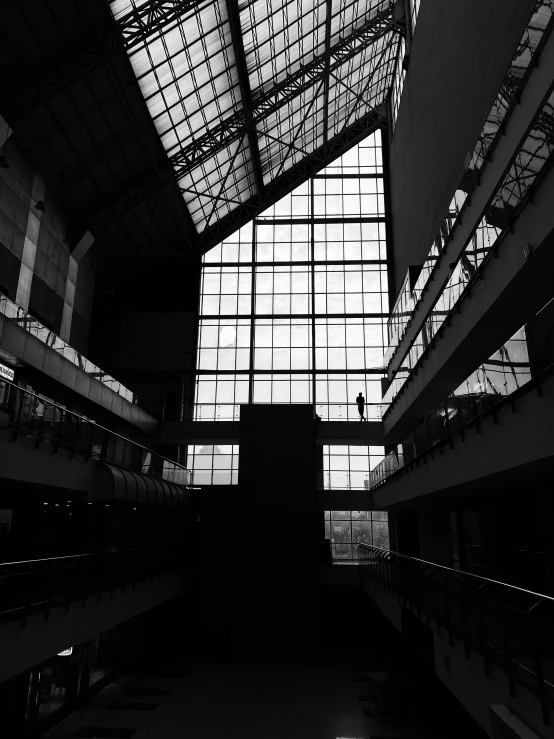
(329, 15)
(271, 193)
(151, 18)
(290, 180)
(228, 432)
(97, 45)
(233, 16)
(78, 59)
(229, 130)
(264, 104)
(292, 143)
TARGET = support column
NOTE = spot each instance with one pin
(73, 268)
(276, 536)
(25, 280)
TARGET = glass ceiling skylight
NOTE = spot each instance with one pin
(241, 92)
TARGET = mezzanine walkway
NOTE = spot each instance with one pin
(352, 433)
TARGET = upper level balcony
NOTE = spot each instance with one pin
(52, 447)
(472, 215)
(23, 339)
(496, 284)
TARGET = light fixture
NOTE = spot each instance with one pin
(39, 205)
(4, 164)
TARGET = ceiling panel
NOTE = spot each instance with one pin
(226, 108)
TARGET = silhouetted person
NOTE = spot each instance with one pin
(360, 400)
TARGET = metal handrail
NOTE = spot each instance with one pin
(387, 553)
(38, 588)
(80, 555)
(373, 410)
(166, 463)
(477, 276)
(53, 341)
(532, 384)
(515, 636)
(499, 134)
(45, 559)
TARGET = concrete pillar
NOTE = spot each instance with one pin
(276, 536)
(73, 268)
(25, 280)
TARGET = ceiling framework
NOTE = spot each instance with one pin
(101, 39)
(249, 97)
(165, 125)
(289, 180)
(145, 20)
(72, 99)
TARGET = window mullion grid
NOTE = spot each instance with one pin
(312, 272)
(252, 312)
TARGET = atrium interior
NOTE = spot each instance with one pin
(277, 369)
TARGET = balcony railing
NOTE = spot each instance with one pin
(41, 584)
(30, 415)
(525, 58)
(53, 341)
(390, 464)
(326, 411)
(528, 169)
(508, 626)
(456, 416)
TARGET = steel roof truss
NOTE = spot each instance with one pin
(205, 146)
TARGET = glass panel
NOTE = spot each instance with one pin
(348, 467)
(188, 75)
(524, 170)
(259, 340)
(347, 529)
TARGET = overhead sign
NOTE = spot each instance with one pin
(6, 373)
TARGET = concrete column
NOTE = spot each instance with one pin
(25, 280)
(78, 253)
(276, 536)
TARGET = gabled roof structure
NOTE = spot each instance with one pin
(249, 98)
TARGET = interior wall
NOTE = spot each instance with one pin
(154, 354)
(41, 638)
(276, 541)
(50, 261)
(443, 108)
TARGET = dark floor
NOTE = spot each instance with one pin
(368, 683)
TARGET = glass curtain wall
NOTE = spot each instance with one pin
(346, 529)
(294, 306)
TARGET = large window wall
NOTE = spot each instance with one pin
(346, 529)
(294, 307)
(348, 467)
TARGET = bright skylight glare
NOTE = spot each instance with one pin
(235, 110)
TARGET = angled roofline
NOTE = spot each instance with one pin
(292, 178)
